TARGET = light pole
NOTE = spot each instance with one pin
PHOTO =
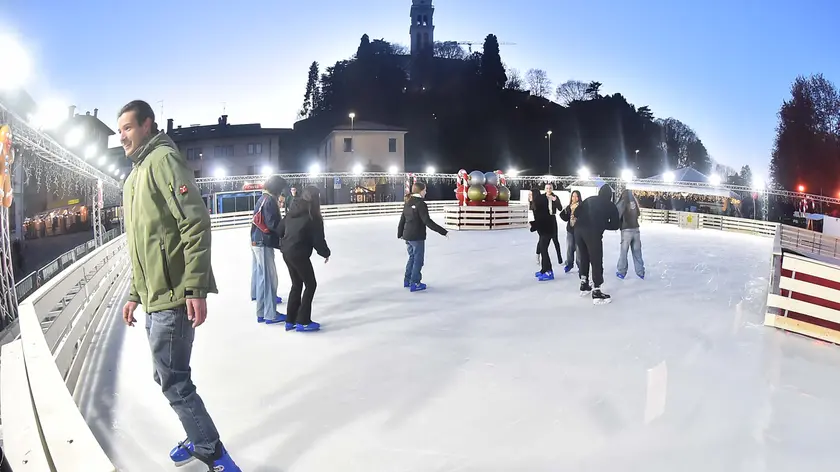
(637, 159)
(352, 137)
(549, 151)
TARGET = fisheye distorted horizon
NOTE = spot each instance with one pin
(723, 68)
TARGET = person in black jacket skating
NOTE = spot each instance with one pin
(545, 225)
(595, 215)
(304, 232)
(567, 215)
(553, 203)
(265, 238)
(412, 228)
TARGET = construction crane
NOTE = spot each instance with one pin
(469, 44)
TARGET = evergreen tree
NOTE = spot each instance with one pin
(312, 96)
(492, 69)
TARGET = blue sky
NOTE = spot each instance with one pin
(722, 67)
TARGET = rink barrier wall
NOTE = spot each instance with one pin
(39, 371)
(329, 212)
(461, 218)
(706, 221)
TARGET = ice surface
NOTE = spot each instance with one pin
(489, 370)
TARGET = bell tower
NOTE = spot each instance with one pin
(422, 26)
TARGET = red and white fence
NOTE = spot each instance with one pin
(462, 218)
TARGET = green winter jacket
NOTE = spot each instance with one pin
(168, 229)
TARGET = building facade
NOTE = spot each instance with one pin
(374, 147)
(226, 149)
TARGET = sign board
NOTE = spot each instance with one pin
(337, 183)
(690, 220)
(75, 201)
(252, 186)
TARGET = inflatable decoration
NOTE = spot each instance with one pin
(476, 177)
(504, 194)
(7, 157)
(461, 186)
(490, 178)
(492, 193)
(476, 193)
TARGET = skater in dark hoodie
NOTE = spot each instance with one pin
(629, 213)
(412, 228)
(545, 225)
(594, 216)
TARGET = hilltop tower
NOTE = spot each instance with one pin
(422, 29)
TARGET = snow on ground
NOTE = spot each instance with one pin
(489, 370)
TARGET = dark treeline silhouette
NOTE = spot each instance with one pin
(807, 148)
(470, 111)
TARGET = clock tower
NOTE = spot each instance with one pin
(422, 29)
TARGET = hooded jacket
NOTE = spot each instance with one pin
(544, 222)
(628, 210)
(415, 219)
(302, 233)
(167, 228)
(597, 213)
(272, 218)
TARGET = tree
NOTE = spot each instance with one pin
(312, 96)
(593, 90)
(538, 82)
(491, 63)
(682, 147)
(449, 50)
(806, 150)
(570, 91)
(364, 47)
(514, 81)
(645, 113)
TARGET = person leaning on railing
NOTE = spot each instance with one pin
(168, 233)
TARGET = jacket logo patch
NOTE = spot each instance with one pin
(182, 189)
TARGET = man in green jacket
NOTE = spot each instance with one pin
(168, 231)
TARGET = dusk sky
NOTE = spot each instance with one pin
(722, 67)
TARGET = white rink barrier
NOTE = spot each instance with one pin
(462, 218)
(706, 221)
(44, 429)
(329, 212)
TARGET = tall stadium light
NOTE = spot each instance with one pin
(668, 176)
(219, 172)
(802, 189)
(50, 115)
(266, 170)
(627, 175)
(759, 184)
(430, 170)
(714, 179)
(122, 177)
(112, 167)
(16, 64)
(583, 172)
(314, 169)
(393, 170)
(358, 169)
(74, 137)
(512, 172)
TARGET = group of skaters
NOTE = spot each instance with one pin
(586, 221)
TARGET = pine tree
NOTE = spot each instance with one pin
(311, 98)
(492, 69)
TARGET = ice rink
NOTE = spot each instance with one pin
(488, 370)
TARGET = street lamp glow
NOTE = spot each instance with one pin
(90, 152)
(627, 175)
(583, 172)
(16, 64)
(74, 137)
(266, 170)
(314, 169)
(393, 170)
(116, 172)
(358, 169)
(430, 170)
(549, 132)
(668, 176)
(352, 116)
(802, 188)
(102, 160)
(758, 184)
(714, 179)
(122, 177)
(50, 114)
(512, 172)
(219, 173)
(112, 167)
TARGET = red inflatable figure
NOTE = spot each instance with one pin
(462, 187)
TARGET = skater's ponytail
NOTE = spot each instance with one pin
(312, 197)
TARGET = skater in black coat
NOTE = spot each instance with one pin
(553, 203)
(304, 232)
(594, 216)
(412, 228)
(545, 225)
(567, 215)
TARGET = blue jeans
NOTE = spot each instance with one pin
(631, 239)
(171, 337)
(572, 257)
(416, 257)
(253, 276)
(265, 275)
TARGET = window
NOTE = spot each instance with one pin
(254, 148)
(348, 144)
(197, 174)
(229, 150)
(252, 170)
(219, 151)
(194, 154)
(392, 144)
(190, 155)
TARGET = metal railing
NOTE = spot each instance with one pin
(36, 279)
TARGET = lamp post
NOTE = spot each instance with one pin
(549, 152)
(637, 159)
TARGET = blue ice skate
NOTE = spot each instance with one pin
(182, 454)
(620, 275)
(278, 318)
(312, 326)
(546, 277)
(418, 287)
